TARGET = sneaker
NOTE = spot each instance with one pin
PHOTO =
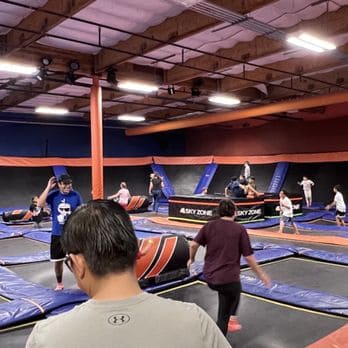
(59, 287)
(233, 325)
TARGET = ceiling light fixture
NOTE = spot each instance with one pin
(18, 68)
(131, 118)
(137, 87)
(311, 42)
(48, 110)
(224, 100)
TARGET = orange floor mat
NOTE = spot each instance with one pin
(263, 233)
(336, 339)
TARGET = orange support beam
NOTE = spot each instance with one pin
(97, 140)
(304, 103)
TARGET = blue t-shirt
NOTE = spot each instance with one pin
(62, 206)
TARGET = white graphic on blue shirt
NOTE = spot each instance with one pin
(64, 210)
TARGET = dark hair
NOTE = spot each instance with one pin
(284, 191)
(234, 178)
(226, 208)
(338, 188)
(102, 231)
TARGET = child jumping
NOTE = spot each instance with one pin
(307, 189)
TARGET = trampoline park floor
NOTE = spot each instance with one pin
(265, 323)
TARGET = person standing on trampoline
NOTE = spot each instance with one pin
(225, 242)
(246, 170)
(340, 205)
(123, 196)
(286, 212)
(63, 201)
(307, 190)
(102, 249)
(155, 189)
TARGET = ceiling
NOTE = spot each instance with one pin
(234, 47)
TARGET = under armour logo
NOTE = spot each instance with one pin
(119, 319)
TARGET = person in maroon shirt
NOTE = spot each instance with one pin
(226, 241)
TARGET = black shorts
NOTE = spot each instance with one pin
(57, 252)
(340, 214)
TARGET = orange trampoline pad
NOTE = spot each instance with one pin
(263, 233)
(336, 339)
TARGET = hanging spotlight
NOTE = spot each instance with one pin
(111, 76)
(74, 65)
(171, 90)
(195, 92)
(70, 77)
(42, 74)
(46, 61)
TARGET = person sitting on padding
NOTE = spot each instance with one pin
(122, 196)
(236, 187)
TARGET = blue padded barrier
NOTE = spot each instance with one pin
(330, 215)
(268, 255)
(15, 260)
(168, 189)
(293, 295)
(40, 236)
(278, 178)
(6, 235)
(30, 300)
(206, 178)
(323, 255)
(263, 224)
(338, 231)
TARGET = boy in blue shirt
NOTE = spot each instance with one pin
(63, 201)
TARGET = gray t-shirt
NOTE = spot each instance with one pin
(143, 321)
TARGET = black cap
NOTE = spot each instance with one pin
(65, 179)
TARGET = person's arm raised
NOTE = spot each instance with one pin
(50, 185)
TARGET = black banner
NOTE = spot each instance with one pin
(197, 209)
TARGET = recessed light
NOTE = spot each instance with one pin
(131, 118)
(224, 100)
(137, 87)
(51, 110)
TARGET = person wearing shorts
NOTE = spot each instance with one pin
(307, 190)
(340, 205)
(63, 201)
(286, 212)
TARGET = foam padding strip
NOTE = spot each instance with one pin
(306, 298)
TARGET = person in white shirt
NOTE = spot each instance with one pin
(286, 212)
(340, 205)
(122, 196)
(307, 189)
(246, 170)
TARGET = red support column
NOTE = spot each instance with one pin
(97, 139)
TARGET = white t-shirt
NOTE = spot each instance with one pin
(307, 185)
(145, 321)
(339, 201)
(246, 171)
(288, 212)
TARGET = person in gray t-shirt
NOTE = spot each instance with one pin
(101, 252)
